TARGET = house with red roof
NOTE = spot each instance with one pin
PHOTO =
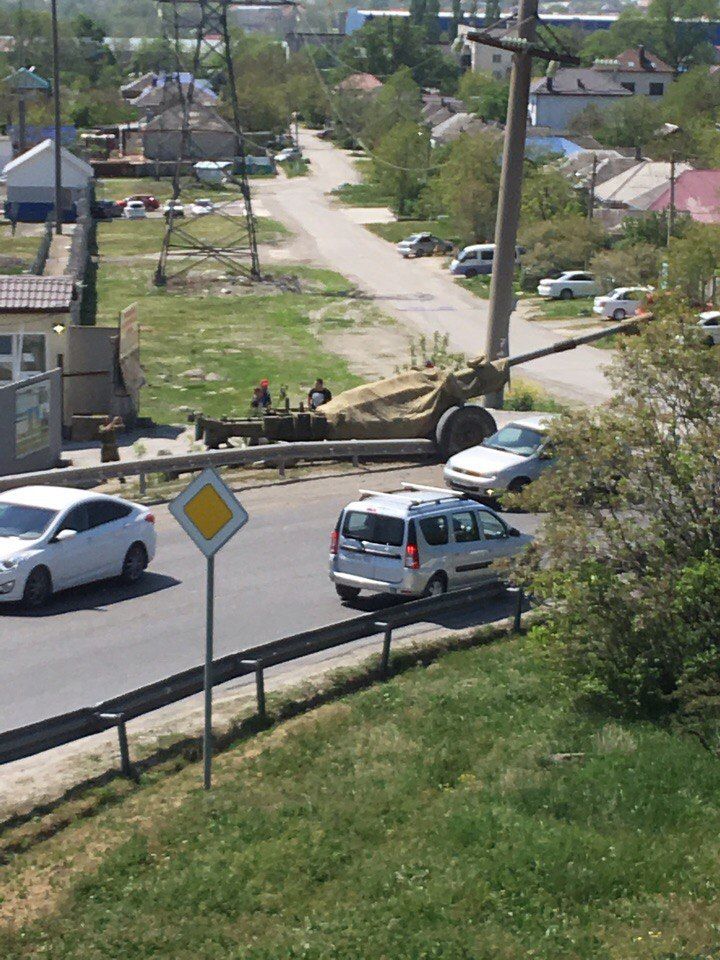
(359, 83)
(638, 71)
(697, 192)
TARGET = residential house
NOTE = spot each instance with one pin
(165, 93)
(31, 183)
(455, 126)
(638, 187)
(479, 57)
(359, 83)
(639, 71)
(697, 193)
(555, 100)
(209, 136)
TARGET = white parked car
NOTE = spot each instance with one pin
(508, 460)
(288, 153)
(572, 283)
(134, 210)
(177, 208)
(621, 302)
(56, 537)
(202, 206)
(710, 323)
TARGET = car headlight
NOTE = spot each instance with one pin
(9, 564)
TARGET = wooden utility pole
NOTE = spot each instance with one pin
(58, 129)
(502, 296)
(591, 194)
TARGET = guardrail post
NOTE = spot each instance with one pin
(259, 668)
(385, 656)
(143, 484)
(281, 468)
(517, 616)
(356, 461)
(125, 765)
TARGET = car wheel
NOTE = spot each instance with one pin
(347, 593)
(518, 484)
(436, 586)
(619, 314)
(134, 564)
(567, 294)
(471, 273)
(461, 428)
(38, 588)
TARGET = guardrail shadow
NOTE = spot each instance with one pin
(495, 606)
(95, 596)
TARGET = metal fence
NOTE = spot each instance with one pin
(68, 727)
(280, 454)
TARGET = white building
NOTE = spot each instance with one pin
(638, 71)
(480, 58)
(31, 176)
(556, 100)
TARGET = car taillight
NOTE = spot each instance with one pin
(334, 538)
(149, 518)
(412, 555)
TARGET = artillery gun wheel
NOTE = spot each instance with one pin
(463, 427)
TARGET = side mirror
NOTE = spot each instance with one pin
(513, 532)
(545, 454)
(65, 535)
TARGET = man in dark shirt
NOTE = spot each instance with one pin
(318, 395)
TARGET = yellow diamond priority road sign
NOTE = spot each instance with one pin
(209, 512)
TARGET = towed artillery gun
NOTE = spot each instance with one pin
(412, 405)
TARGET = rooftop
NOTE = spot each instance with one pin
(30, 294)
(579, 82)
(361, 82)
(697, 192)
(635, 60)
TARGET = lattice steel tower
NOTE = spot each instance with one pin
(198, 31)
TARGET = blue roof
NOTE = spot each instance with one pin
(538, 145)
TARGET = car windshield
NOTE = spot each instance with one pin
(513, 438)
(28, 523)
(374, 528)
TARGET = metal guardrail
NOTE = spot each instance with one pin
(66, 728)
(277, 453)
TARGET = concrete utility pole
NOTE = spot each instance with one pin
(56, 104)
(591, 195)
(502, 297)
(671, 208)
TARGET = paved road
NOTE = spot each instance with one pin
(419, 293)
(102, 640)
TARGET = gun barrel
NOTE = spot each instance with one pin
(627, 326)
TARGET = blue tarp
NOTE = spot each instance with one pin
(35, 134)
(536, 146)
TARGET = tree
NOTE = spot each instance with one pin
(466, 186)
(627, 266)
(457, 15)
(492, 12)
(678, 41)
(401, 161)
(567, 243)
(631, 122)
(485, 95)
(694, 260)
(652, 229)
(398, 101)
(630, 552)
(547, 193)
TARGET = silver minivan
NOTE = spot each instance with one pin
(420, 541)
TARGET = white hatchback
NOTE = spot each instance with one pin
(56, 537)
(202, 206)
(508, 460)
(621, 302)
(570, 284)
(710, 323)
(134, 210)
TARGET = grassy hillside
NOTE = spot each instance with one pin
(422, 818)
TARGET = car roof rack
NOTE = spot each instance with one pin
(409, 488)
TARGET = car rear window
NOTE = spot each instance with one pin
(374, 528)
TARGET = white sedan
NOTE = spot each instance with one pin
(570, 284)
(134, 210)
(621, 302)
(202, 206)
(178, 210)
(710, 323)
(56, 537)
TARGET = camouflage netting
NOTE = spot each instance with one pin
(408, 405)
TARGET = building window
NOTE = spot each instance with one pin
(21, 355)
(628, 86)
(497, 58)
(657, 89)
(497, 74)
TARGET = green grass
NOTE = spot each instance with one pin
(362, 195)
(241, 338)
(578, 308)
(399, 229)
(296, 168)
(416, 820)
(525, 396)
(129, 238)
(16, 252)
(117, 188)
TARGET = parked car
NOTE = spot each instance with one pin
(146, 199)
(289, 153)
(178, 210)
(56, 537)
(710, 323)
(621, 302)
(134, 210)
(202, 206)
(508, 460)
(421, 541)
(423, 245)
(477, 260)
(106, 209)
(570, 284)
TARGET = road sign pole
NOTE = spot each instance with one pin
(209, 623)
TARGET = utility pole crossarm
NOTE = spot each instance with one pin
(519, 45)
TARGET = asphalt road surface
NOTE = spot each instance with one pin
(419, 293)
(271, 581)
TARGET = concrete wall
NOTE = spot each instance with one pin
(91, 383)
(642, 81)
(203, 145)
(556, 111)
(41, 435)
